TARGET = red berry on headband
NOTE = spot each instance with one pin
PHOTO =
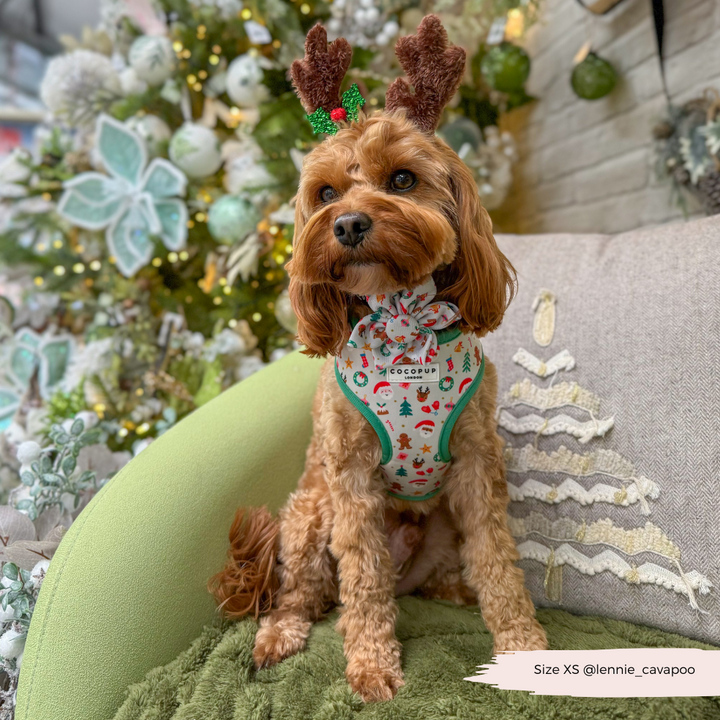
(338, 114)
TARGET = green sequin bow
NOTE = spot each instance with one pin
(323, 121)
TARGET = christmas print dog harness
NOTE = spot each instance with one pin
(410, 371)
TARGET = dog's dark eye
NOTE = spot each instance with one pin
(402, 180)
(328, 194)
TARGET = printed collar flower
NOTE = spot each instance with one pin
(135, 202)
(403, 325)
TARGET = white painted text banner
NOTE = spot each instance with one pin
(635, 672)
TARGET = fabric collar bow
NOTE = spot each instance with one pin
(402, 326)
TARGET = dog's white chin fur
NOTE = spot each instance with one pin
(370, 279)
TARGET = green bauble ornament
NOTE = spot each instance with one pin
(593, 78)
(461, 132)
(232, 218)
(506, 67)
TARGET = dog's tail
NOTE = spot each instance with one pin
(248, 582)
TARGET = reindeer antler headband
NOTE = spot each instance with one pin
(434, 70)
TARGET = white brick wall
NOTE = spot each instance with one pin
(589, 166)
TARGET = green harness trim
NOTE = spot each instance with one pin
(448, 334)
(444, 451)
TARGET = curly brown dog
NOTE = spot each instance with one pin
(384, 205)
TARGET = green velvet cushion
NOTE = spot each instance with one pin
(126, 589)
(442, 644)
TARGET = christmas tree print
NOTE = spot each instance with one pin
(581, 478)
(466, 362)
(401, 472)
(405, 409)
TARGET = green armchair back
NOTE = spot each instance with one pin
(126, 590)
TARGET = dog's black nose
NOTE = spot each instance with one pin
(350, 228)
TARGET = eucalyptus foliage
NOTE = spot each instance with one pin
(54, 479)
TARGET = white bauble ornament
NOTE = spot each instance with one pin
(195, 150)
(152, 129)
(28, 452)
(130, 83)
(12, 644)
(232, 218)
(152, 58)
(243, 169)
(244, 81)
(245, 173)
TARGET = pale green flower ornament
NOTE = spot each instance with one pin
(135, 201)
(23, 355)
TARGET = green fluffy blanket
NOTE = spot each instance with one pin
(215, 680)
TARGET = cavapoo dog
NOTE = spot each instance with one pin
(396, 275)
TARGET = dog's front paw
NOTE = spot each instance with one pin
(279, 638)
(526, 636)
(373, 683)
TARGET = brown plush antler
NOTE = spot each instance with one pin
(319, 75)
(435, 69)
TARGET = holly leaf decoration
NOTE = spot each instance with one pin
(352, 101)
(321, 122)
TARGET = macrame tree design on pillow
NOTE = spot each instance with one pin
(600, 476)
(433, 66)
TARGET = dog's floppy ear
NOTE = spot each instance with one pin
(434, 68)
(480, 280)
(320, 307)
(322, 317)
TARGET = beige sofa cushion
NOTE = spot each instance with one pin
(609, 370)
